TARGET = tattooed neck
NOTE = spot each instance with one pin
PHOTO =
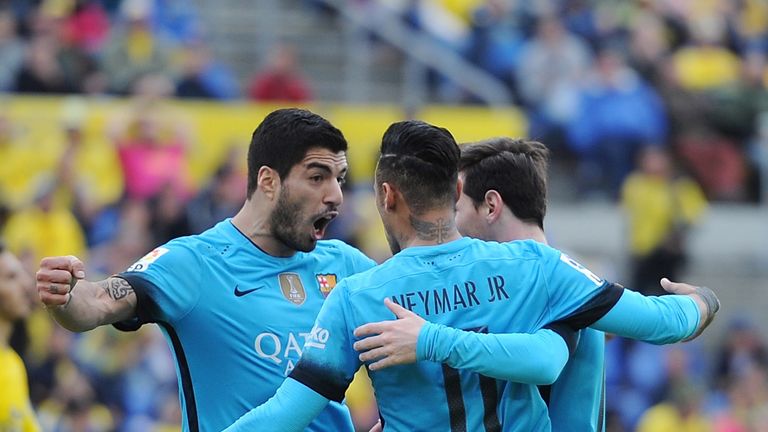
(437, 230)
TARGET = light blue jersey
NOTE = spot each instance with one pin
(577, 400)
(237, 318)
(516, 287)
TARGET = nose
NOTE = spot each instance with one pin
(334, 197)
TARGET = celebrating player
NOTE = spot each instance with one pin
(501, 288)
(236, 302)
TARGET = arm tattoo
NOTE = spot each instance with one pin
(428, 230)
(116, 288)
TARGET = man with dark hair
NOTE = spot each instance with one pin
(238, 301)
(504, 198)
(15, 409)
(502, 288)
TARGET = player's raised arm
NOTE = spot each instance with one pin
(80, 305)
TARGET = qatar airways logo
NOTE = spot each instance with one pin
(285, 351)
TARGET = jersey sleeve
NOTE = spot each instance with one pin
(167, 285)
(577, 297)
(536, 358)
(659, 320)
(291, 409)
(328, 361)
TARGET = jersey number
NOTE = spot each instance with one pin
(488, 390)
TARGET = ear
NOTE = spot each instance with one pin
(495, 205)
(268, 181)
(459, 188)
(388, 196)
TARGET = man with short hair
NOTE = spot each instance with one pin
(502, 288)
(236, 302)
(504, 198)
(15, 409)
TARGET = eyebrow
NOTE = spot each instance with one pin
(324, 167)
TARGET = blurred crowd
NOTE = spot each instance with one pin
(600, 80)
(659, 105)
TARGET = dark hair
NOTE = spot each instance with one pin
(515, 168)
(283, 138)
(2, 246)
(422, 161)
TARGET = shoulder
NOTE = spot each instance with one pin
(337, 249)
(518, 249)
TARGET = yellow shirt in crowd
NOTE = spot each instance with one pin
(16, 413)
(654, 205)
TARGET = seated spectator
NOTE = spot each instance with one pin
(41, 71)
(133, 50)
(552, 65)
(281, 79)
(706, 63)
(11, 51)
(87, 26)
(202, 77)
(221, 198)
(618, 113)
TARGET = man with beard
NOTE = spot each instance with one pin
(237, 302)
(505, 289)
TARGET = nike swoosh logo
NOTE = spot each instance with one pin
(240, 293)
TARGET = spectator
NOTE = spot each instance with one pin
(706, 63)
(11, 51)
(682, 412)
(152, 143)
(281, 80)
(133, 50)
(552, 65)
(44, 229)
(221, 198)
(618, 114)
(87, 26)
(202, 77)
(660, 208)
(741, 349)
(41, 71)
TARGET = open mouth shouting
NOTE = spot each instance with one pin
(322, 222)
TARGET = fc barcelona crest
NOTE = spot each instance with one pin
(292, 288)
(326, 282)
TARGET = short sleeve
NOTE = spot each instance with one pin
(329, 362)
(166, 282)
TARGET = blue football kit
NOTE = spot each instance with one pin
(236, 318)
(496, 291)
(576, 400)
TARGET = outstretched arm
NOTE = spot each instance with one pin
(662, 320)
(292, 408)
(537, 358)
(653, 319)
(80, 305)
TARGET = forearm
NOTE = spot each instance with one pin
(526, 358)
(92, 304)
(658, 320)
(292, 408)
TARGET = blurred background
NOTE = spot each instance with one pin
(124, 124)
